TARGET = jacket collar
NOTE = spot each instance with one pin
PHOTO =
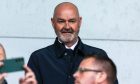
(60, 48)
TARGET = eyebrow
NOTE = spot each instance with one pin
(73, 19)
(60, 19)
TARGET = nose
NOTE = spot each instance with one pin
(75, 74)
(67, 25)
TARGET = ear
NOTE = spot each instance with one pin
(52, 20)
(80, 18)
(80, 21)
(101, 77)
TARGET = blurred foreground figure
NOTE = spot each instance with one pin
(96, 69)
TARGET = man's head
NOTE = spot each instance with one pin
(96, 69)
(66, 22)
(2, 53)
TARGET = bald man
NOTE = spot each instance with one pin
(55, 64)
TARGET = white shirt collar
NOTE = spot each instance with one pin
(72, 47)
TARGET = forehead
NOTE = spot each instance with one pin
(66, 11)
(88, 62)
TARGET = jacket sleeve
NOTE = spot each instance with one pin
(33, 63)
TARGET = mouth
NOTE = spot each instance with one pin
(76, 82)
(64, 30)
(66, 33)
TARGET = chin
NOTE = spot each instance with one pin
(66, 39)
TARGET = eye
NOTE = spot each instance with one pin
(72, 20)
(60, 21)
(81, 70)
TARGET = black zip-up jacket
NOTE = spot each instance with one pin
(54, 65)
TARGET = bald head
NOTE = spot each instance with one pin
(65, 6)
(66, 23)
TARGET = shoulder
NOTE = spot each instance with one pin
(44, 50)
(94, 50)
(88, 47)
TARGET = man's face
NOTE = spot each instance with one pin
(2, 54)
(66, 23)
(87, 73)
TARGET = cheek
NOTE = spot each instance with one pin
(58, 27)
(88, 79)
(75, 27)
(1, 56)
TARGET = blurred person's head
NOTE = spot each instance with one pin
(96, 69)
(2, 53)
(66, 23)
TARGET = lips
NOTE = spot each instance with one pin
(64, 30)
(76, 82)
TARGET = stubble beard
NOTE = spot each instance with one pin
(67, 37)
